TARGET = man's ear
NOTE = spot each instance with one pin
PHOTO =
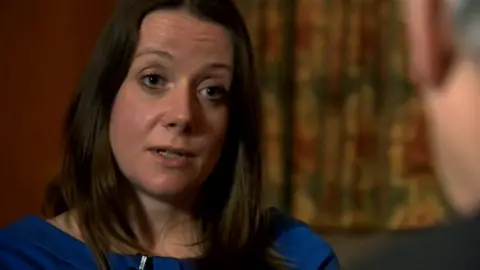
(429, 38)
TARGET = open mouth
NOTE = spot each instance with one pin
(168, 153)
(171, 153)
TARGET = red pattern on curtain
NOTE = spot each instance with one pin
(345, 147)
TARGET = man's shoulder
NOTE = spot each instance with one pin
(453, 246)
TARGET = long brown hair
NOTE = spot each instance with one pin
(236, 231)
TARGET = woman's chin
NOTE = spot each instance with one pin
(166, 187)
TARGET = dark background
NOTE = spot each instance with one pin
(44, 45)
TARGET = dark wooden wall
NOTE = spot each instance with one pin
(44, 45)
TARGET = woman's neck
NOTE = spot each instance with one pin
(165, 229)
(162, 229)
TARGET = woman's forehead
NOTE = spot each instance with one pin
(181, 34)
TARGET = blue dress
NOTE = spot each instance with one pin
(32, 243)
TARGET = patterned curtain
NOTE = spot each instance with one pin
(344, 133)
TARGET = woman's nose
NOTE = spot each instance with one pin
(178, 118)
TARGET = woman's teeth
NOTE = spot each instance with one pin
(168, 154)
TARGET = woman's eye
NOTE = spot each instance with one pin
(214, 92)
(153, 81)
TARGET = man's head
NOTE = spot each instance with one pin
(445, 65)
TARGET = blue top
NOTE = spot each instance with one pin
(32, 243)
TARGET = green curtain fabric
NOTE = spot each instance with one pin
(344, 133)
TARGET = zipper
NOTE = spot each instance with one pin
(143, 262)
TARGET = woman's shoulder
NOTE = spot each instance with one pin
(33, 243)
(299, 244)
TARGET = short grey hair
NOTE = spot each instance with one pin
(466, 25)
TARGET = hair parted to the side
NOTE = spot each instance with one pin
(236, 230)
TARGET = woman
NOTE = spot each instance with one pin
(162, 162)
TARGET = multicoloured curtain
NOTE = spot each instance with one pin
(344, 133)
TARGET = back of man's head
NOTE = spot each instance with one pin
(466, 26)
(445, 63)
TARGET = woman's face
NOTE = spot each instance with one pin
(169, 119)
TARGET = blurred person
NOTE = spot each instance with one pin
(444, 46)
(162, 167)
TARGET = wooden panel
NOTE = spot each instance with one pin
(44, 45)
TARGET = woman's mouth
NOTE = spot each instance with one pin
(169, 153)
(172, 157)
